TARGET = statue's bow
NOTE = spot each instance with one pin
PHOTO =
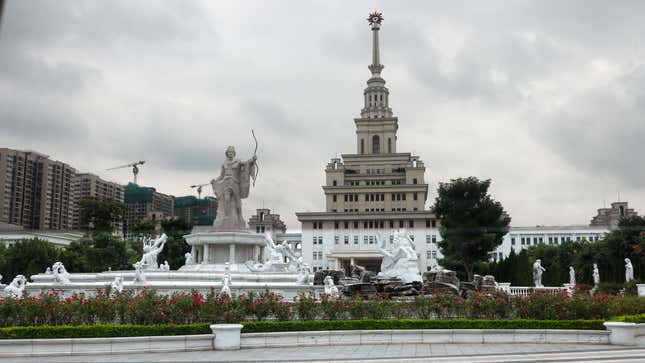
(257, 168)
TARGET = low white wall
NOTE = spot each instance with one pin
(82, 346)
(477, 336)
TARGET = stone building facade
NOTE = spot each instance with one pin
(372, 192)
(609, 217)
(90, 185)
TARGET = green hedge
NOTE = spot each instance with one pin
(125, 330)
(639, 318)
(317, 325)
(100, 331)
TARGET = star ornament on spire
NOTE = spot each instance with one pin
(375, 18)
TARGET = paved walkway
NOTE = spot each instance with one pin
(382, 353)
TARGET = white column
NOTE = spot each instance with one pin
(231, 253)
(193, 252)
(205, 254)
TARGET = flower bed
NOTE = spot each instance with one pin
(149, 308)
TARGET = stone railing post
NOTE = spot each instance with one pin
(227, 336)
(621, 333)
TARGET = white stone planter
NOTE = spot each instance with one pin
(227, 336)
(641, 290)
(621, 333)
(504, 287)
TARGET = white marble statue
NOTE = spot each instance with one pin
(272, 253)
(572, 276)
(330, 287)
(537, 273)
(226, 285)
(596, 276)
(165, 266)
(60, 273)
(231, 187)
(139, 276)
(151, 249)
(117, 286)
(303, 274)
(17, 287)
(629, 270)
(401, 261)
(48, 271)
(188, 258)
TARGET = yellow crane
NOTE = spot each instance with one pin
(135, 168)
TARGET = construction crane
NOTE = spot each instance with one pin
(135, 168)
(199, 189)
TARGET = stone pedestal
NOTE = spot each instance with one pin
(504, 287)
(227, 336)
(571, 288)
(621, 333)
(216, 248)
(641, 290)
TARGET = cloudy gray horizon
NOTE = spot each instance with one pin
(546, 98)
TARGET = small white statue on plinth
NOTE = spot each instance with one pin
(401, 261)
(537, 273)
(48, 271)
(629, 270)
(60, 273)
(139, 276)
(303, 274)
(330, 287)
(596, 276)
(17, 287)
(226, 281)
(572, 276)
(188, 258)
(151, 249)
(117, 286)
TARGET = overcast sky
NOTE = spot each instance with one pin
(546, 98)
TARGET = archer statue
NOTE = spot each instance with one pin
(231, 187)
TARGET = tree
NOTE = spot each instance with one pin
(100, 214)
(176, 246)
(472, 222)
(28, 257)
(97, 252)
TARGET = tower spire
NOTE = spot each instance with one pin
(376, 94)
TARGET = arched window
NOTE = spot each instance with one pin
(389, 145)
(362, 146)
(376, 144)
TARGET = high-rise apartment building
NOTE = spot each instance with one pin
(145, 204)
(372, 192)
(90, 185)
(37, 191)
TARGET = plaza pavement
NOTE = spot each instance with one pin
(401, 353)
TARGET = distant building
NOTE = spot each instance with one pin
(520, 238)
(200, 212)
(263, 221)
(57, 238)
(90, 185)
(37, 191)
(609, 217)
(145, 204)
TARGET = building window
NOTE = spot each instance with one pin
(334, 183)
(336, 238)
(362, 146)
(523, 241)
(391, 239)
(346, 240)
(411, 223)
(371, 240)
(334, 198)
(391, 224)
(364, 240)
(376, 144)
(346, 225)
(315, 240)
(336, 225)
(355, 225)
(434, 223)
(315, 255)
(392, 196)
(414, 195)
(513, 241)
(389, 145)
(414, 181)
(434, 254)
(434, 238)
(428, 254)
(355, 240)
(400, 224)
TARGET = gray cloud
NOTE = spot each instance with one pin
(542, 97)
